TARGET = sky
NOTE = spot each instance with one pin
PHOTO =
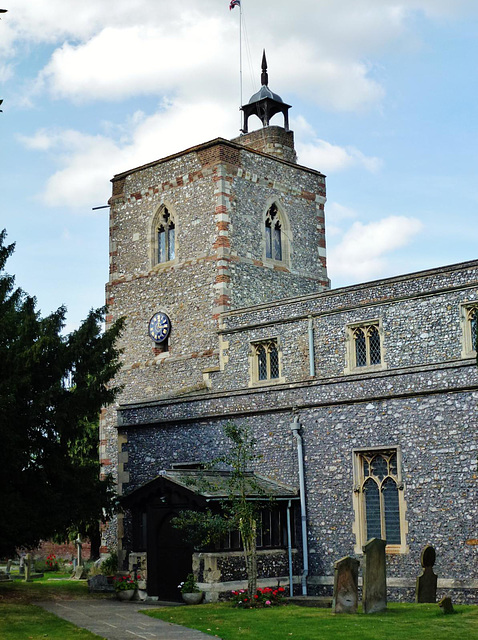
(383, 96)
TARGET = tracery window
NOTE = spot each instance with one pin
(273, 230)
(379, 492)
(472, 320)
(365, 346)
(166, 248)
(266, 361)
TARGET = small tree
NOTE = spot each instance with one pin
(238, 512)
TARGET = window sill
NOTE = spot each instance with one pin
(266, 383)
(369, 369)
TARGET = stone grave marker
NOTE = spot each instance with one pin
(79, 546)
(345, 585)
(79, 574)
(99, 583)
(446, 605)
(374, 592)
(8, 570)
(28, 567)
(426, 590)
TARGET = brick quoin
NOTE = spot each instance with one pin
(222, 226)
(223, 301)
(106, 462)
(221, 208)
(222, 278)
(308, 196)
(222, 241)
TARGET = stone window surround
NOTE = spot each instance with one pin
(467, 310)
(155, 222)
(350, 357)
(254, 363)
(359, 526)
(286, 235)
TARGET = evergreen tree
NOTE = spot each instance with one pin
(52, 388)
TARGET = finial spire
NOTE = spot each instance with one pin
(264, 75)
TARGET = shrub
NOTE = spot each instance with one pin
(109, 566)
(266, 597)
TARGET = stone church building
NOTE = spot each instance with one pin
(362, 400)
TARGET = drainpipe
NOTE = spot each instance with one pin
(289, 550)
(303, 511)
(311, 348)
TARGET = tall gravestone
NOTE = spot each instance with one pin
(427, 582)
(346, 585)
(28, 567)
(374, 596)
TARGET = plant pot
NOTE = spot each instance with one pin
(193, 598)
(125, 594)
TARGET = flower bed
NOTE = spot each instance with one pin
(266, 597)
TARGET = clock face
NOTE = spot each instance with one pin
(159, 327)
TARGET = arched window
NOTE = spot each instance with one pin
(364, 347)
(163, 237)
(379, 490)
(265, 361)
(275, 234)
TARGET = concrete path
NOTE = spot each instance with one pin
(115, 620)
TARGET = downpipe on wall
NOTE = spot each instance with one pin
(311, 348)
(303, 509)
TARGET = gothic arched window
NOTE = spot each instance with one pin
(379, 492)
(163, 237)
(275, 234)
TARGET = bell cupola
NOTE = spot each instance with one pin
(265, 104)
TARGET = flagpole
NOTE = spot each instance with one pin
(240, 48)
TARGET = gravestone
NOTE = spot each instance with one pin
(79, 546)
(374, 593)
(446, 605)
(99, 583)
(79, 574)
(28, 567)
(426, 590)
(345, 585)
(21, 568)
(8, 570)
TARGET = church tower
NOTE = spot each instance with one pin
(217, 227)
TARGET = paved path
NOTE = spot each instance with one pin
(115, 620)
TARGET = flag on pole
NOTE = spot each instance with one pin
(234, 3)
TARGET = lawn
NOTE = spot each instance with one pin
(399, 622)
(22, 620)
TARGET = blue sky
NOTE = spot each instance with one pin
(384, 100)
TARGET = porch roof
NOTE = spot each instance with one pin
(213, 485)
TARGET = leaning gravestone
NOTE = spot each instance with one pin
(346, 585)
(374, 596)
(79, 574)
(427, 582)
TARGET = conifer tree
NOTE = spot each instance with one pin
(52, 388)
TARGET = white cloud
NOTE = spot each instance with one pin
(114, 49)
(327, 157)
(363, 252)
(121, 62)
(88, 162)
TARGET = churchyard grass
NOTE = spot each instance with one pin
(22, 620)
(400, 622)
